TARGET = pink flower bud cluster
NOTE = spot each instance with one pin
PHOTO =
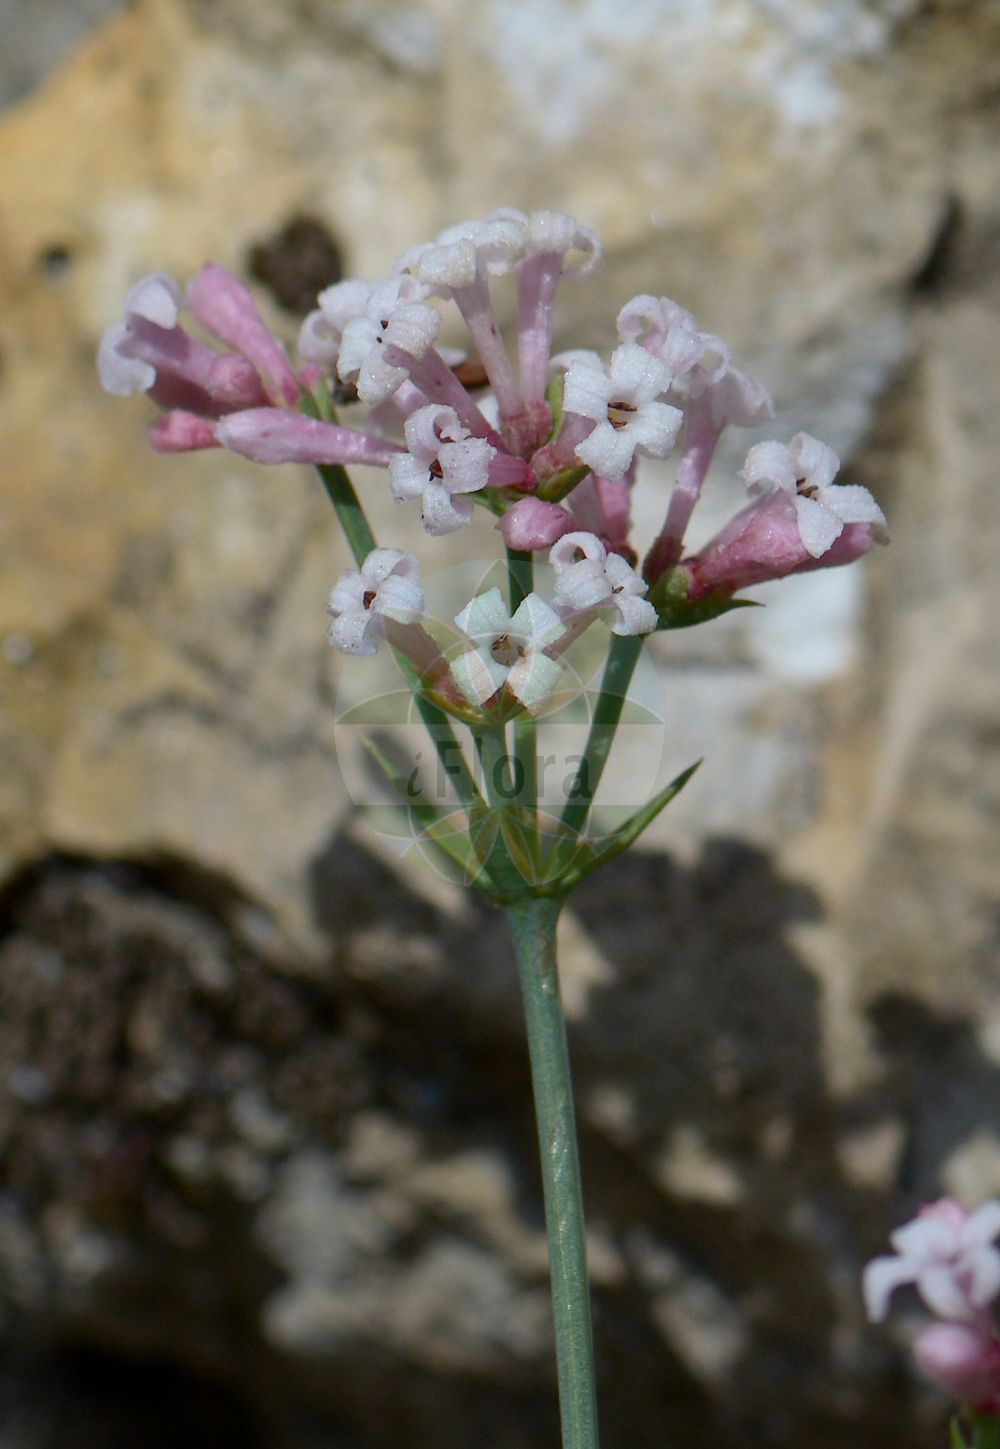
(550, 445)
(949, 1255)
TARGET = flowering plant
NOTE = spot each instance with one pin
(550, 447)
(948, 1253)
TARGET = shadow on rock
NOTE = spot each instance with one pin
(322, 1196)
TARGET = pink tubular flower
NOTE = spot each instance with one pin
(948, 1253)
(389, 345)
(550, 238)
(763, 542)
(224, 306)
(442, 463)
(456, 265)
(272, 435)
(602, 507)
(151, 352)
(804, 470)
(806, 521)
(459, 264)
(713, 394)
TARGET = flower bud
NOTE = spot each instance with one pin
(963, 1361)
(532, 524)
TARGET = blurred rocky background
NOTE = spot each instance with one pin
(268, 1173)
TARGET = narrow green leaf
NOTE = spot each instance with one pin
(399, 781)
(434, 822)
(590, 858)
(985, 1430)
(483, 832)
(438, 726)
(685, 616)
(619, 667)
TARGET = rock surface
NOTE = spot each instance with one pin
(267, 1117)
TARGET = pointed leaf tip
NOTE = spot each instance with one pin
(633, 827)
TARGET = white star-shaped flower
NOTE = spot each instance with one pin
(622, 401)
(805, 468)
(508, 649)
(442, 463)
(700, 362)
(948, 1253)
(457, 255)
(547, 233)
(588, 577)
(392, 318)
(322, 330)
(386, 587)
(666, 329)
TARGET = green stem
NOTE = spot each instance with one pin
(340, 489)
(488, 820)
(491, 748)
(526, 765)
(533, 928)
(622, 659)
(449, 751)
(985, 1431)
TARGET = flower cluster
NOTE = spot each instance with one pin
(948, 1254)
(548, 444)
